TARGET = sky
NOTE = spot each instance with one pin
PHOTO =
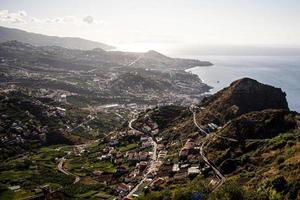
(139, 25)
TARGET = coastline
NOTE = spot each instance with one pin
(190, 70)
(281, 71)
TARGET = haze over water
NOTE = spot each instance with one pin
(279, 71)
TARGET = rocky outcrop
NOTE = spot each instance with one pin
(242, 96)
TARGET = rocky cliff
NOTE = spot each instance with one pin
(242, 96)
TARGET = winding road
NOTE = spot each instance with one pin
(220, 176)
(197, 125)
(85, 122)
(217, 172)
(60, 167)
(149, 168)
(62, 161)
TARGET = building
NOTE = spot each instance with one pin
(146, 144)
(142, 165)
(180, 176)
(122, 170)
(175, 168)
(162, 154)
(135, 157)
(97, 173)
(143, 156)
(132, 177)
(193, 171)
(123, 188)
(160, 147)
(144, 138)
(113, 143)
(157, 182)
(185, 150)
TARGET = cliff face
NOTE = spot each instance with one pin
(250, 95)
(243, 96)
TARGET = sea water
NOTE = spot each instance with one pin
(278, 71)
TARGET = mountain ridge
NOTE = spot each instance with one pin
(96, 58)
(7, 34)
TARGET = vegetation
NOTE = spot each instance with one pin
(179, 192)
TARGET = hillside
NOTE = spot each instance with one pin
(266, 155)
(8, 34)
(162, 152)
(255, 147)
(28, 122)
(155, 60)
(137, 83)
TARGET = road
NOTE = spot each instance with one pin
(85, 122)
(136, 187)
(60, 167)
(149, 168)
(133, 62)
(226, 138)
(197, 125)
(154, 156)
(202, 130)
(216, 171)
(130, 124)
(62, 161)
(92, 70)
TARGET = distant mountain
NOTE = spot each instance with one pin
(74, 59)
(155, 60)
(7, 34)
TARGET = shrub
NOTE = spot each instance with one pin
(280, 160)
(229, 166)
(232, 190)
(290, 143)
(279, 183)
(294, 188)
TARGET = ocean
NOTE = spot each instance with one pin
(278, 71)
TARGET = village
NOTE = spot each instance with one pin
(143, 160)
(137, 156)
(26, 127)
(140, 160)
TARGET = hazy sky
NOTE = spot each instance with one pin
(159, 24)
